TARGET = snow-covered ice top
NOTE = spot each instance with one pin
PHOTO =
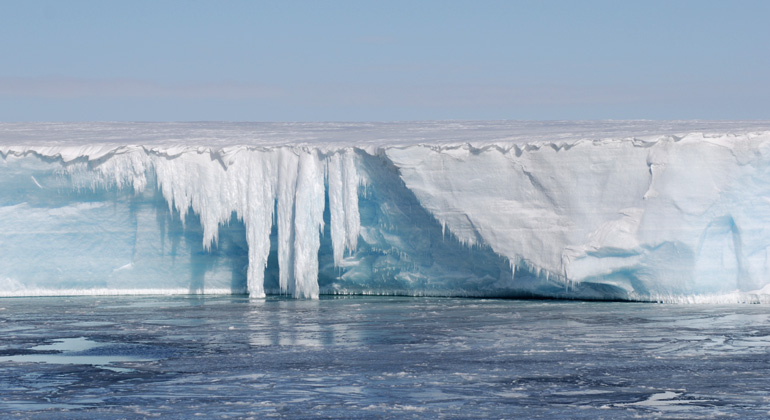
(94, 139)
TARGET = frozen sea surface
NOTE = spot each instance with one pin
(380, 357)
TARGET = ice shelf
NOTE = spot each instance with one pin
(631, 210)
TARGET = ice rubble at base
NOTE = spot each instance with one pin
(654, 217)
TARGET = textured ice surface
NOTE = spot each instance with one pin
(675, 211)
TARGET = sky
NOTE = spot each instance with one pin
(383, 60)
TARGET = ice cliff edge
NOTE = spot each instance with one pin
(671, 211)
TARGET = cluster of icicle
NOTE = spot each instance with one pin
(253, 184)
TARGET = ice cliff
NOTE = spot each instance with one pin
(637, 210)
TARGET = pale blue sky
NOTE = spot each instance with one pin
(383, 60)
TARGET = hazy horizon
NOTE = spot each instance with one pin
(390, 61)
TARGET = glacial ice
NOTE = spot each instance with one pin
(630, 210)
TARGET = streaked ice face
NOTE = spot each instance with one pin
(387, 357)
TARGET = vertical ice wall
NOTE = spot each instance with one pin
(650, 218)
(653, 220)
(251, 184)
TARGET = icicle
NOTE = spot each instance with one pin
(351, 182)
(308, 223)
(286, 190)
(343, 182)
(122, 170)
(195, 181)
(337, 209)
(251, 185)
(258, 217)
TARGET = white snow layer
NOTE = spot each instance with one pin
(672, 211)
